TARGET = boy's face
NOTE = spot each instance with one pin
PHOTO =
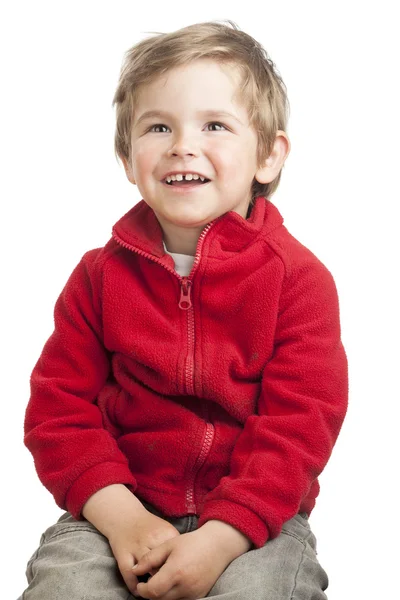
(185, 137)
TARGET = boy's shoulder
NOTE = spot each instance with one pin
(307, 283)
(295, 256)
(96, 258)
(304, 273)
(93, 262)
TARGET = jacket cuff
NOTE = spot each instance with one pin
(240, 517)
(93, 480)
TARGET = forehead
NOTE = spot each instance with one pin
(203, 84)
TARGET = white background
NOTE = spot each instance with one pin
(62, 190)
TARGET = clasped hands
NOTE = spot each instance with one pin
(182, 566)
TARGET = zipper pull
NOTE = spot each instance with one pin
(184, 301)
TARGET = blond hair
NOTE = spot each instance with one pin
(262, 90)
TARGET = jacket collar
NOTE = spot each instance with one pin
(140, 229)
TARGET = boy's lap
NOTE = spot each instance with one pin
(75, 559)
(285, 568)
(69, 536)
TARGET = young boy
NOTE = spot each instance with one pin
(195, 383)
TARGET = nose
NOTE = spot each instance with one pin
(184, 145)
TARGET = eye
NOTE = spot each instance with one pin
(218, 125)
(157, 125)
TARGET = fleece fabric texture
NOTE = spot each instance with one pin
(220, 394)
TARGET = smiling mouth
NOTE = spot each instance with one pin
(184, 182)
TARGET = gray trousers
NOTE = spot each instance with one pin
(74, 562)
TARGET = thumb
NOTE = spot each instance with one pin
(125, 562)
(153, 560)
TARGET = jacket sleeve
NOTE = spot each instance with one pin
(73, 454)
(303, 401)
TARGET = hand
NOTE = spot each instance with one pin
(189, 565)
(130, 543)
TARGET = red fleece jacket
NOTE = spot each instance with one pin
(219, 394)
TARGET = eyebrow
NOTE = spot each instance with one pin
(205, 113)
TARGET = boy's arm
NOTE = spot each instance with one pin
(74, 455)
(112, 509)
(131, 529)
(285, 446)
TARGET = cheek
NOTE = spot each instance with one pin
(143, 160)
(232, 160)
(221, 156)
(229, 167)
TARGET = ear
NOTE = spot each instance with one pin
(128, 169)
(275, 161)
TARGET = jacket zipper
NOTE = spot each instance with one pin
(205, 449)
(185, 303)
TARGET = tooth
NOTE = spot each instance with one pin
(188, 177)
(195, 176)
(179, 177)
(202, 178)
(173, 178)
(168, 179)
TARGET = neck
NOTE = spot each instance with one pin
(181, 240)
(184, 240)
(185, 244)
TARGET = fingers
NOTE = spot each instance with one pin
(172, 594)
(131, 581)
(157, 587)
(125, 562)
(162, 584)
(165, 585)
(152, 560)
